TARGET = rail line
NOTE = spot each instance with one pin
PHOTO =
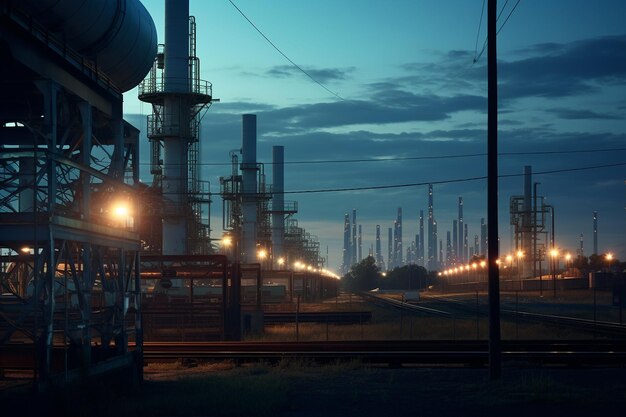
(428, 352)
(415, 352)
(605, 327)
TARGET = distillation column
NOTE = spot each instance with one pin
(249, 174)
(278, 203)
(175, 126)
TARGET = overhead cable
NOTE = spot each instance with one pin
(283, 54)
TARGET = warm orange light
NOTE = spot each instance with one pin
(609, 256)
(554, 253)
(568, 257)
(509, 258)
(484, 264)
(520, 254)
(120, 211)
(281, 261)
(227, 241)
(262, 254)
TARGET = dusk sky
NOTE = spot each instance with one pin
(408, 88)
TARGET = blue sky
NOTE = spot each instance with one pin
(405, 71)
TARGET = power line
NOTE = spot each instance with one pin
(476, 58)
(414, 158)
(450, 181)
(283, 54)
(480, 23)
(456, 180)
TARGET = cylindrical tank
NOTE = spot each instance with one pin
(118, 35)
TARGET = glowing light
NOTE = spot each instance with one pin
(609, 256)
(262, 254)
(520, 254)
(227, 241)
(26, 249)
(509, 258)
(568, 257)
(121, 211)
(554, 253)
(281, 261)
(484, 264)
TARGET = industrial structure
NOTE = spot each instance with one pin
(91, 259)
(179, 98)
(69, 247)
(533, 237)
(258, 221)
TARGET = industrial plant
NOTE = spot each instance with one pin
(93, 262)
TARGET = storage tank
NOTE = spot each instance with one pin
(118, 35)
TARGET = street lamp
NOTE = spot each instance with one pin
(568, 258)
(509, 259)
(609, 258)
(281, 262)
(554, 253)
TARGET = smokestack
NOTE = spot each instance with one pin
(175, 144)
(595, 232)
(461, 248)
(432, 243)
(347, 250)
(278, 203)
(360, 245)
(389, 249)
(354, 247)
(249, 179)
(421, 243)
(378, 248)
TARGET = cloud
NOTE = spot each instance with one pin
(322, 75)
(578, 114)
(566, 69)
(393, 106)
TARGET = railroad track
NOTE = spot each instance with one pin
(444, 352)
(417, 352)
(462, 308)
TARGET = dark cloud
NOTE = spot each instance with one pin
(393, 106)
(564, 71)
(577, 114)
(322, 75)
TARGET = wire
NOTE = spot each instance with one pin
(480, 23)
(283, 54)
(482, 51)
(456, 180)
(413, 158)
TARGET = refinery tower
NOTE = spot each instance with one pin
(178, 97)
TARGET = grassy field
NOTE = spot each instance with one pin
(389, 324)
(299, 388)
(302, 389)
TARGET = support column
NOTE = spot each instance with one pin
(49, 90)
(87, 119)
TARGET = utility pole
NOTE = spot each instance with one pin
(495, 355)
